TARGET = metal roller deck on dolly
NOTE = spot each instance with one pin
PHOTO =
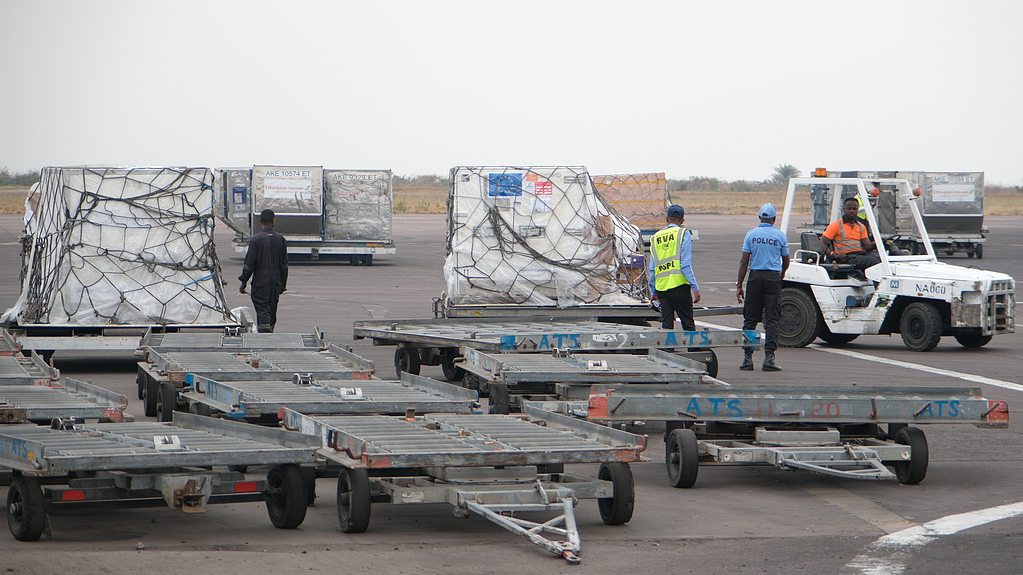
(231, 340)
(852, 433)
(442, 341)
(493, 465)
(162, 374)
(73, 399)
(569, 375)
(262, 401)
(150, 464)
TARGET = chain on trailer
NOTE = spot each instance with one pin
(144, 464)
(539, 236)
(119, 246)
(851, 433)
(495, 466)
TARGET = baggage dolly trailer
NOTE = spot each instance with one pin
(17, 369)
(443, 341)
(73, 399)
(495, 466)
(262, 401)
(146, 464)
(852, 433)
(231, 340)
(567, 375)
(162, 374)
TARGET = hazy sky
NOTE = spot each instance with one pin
(714, 88)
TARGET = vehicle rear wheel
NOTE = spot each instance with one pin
(970, 339)
(26, 509)
(617, 509)
(913, 471)
(799, 322)
(682, 458)
(286, 498)
(920, 326)
(353, 500)
(979, 250)
(407, 360)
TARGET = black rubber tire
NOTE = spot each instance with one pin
(920, 326)
(500, 399)
(152, 393)
(197, 408)
(913, 471)
(712, 365)
(286, 498)
(971, 340)
(682, 458)
(309, 482)
(618, 508)
(800, 320)
(353, 500)
(238, 468)
(451, 371)
(407, 360)
(166, 401)
(26, 509)
(979, 251)
(835, 339)
(140, 381)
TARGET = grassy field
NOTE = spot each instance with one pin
(432, 200)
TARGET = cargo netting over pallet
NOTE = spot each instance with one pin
(120, 246)
(640, 198)
(538, 236)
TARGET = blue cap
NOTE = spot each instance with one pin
(768, 211)
(676, 211)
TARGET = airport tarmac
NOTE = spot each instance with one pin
(735, 519)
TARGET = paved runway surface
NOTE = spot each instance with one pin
(735, 520)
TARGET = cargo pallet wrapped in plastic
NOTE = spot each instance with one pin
(640, 198)
(120, 247)
(538, 236)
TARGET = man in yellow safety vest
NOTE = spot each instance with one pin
(672, 280)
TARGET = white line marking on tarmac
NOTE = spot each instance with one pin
(904, 364)
(889, 554)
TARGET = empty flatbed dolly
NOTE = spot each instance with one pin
(262, 401)
(162, 374)
(148, 464)
(441, 341)
(852, 432)
(496, 466)
(72, 399)
(230, 340)
(569, 375)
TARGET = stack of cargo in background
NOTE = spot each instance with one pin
(120, 247)
(537, 236)
(343, 214)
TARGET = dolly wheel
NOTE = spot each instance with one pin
(286, 498)
(406, 359)
(26, 510)
(617, 509)
(353, 500)
(913, 471)
(682, 458)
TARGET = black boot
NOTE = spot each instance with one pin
(747, 360)
(769, 364)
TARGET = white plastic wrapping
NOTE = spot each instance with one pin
(121, 246)
(537, 236)
(357, 205)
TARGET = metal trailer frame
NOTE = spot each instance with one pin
(146, 464)
(162, 374)
(442, 341)
(262, 401)
(8, 345)
(45, 339)
(512, 377)
(443, 308)
(834, 432)
(495, 466)
(232, 339)
(77, 400)
(27, 370)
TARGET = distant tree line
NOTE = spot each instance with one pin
(8, 178)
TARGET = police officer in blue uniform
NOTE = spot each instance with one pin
(765, 253)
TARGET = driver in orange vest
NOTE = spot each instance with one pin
(847, 240)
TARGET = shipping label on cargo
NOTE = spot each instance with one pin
(538, 185)
(954, 192)
(287, 188)
(505, 184)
